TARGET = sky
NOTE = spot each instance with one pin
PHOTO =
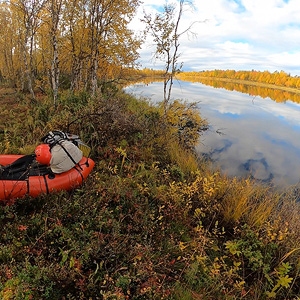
(262, 35)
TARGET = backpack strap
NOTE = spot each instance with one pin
(53, 137)
(69, 155)
(56, 137)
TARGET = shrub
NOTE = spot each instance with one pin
(150, 222)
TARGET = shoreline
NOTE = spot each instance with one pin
(241, 81)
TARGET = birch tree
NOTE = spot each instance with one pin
(7, 44)
(75, 20)
(55, 10)
(107, 17)
(86, 41)
(164, 28)
(29, 13)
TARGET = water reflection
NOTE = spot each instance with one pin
(264, 92)
(257, 137)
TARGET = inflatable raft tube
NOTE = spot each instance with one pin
(45, 183)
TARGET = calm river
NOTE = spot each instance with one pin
(249, 135)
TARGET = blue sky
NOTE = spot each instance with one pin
(234, 34)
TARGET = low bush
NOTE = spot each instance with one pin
(150, 222)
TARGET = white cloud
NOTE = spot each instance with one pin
(236, 34)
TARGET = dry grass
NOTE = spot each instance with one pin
(137, 224)
(183, 158)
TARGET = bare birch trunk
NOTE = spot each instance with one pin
(22, 79)
(74, 74)
(55, 11)
(85, 77)
(55, 70)
(33, 71)
(27, 71)
(94, 75)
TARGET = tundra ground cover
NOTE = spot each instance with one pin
(151, 222)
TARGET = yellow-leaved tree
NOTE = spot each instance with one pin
(76, 44)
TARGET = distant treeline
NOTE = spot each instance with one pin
(253, 90)
(277, 78)
(263, 89)
(145, 73)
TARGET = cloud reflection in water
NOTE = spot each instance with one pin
(260, 137)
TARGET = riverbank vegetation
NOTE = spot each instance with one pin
(151, 222)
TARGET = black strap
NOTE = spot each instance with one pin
(53, 137)
(79, 172)
(27, 182)
(70, 156)
(46, 184)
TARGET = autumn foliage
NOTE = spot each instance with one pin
(276, 78)
(151, 222)
(58, 44)
(253, 90)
